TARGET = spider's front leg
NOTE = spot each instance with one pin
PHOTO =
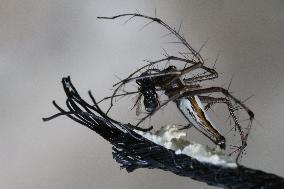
(210, 74)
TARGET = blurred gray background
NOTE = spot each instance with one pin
(43, 40)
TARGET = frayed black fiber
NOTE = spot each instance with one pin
(132, 151)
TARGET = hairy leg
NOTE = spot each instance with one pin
(212, 100)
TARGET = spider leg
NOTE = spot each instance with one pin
(184, 71)
(237, 101)
(212, 100)
(162, 23)
(151, 63)
(118, 95)
(197, 65)
(212, 74)
(224, 92)
(186, 127)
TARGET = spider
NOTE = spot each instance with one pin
(185, 92)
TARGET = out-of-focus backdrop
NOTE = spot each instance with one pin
(43, 40)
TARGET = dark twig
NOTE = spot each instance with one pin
(132, 151)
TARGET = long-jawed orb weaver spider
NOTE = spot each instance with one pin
(186, 92)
